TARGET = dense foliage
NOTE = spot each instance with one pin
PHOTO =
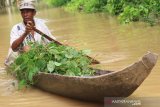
(87, 5)
(56, 3)
(126, 10)
(134, 10)
(50, 58)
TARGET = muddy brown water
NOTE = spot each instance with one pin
(115, 46)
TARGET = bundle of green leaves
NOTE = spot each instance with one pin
(50, 58)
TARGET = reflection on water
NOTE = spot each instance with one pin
(114, 45)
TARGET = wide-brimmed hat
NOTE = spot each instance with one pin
(27, 5)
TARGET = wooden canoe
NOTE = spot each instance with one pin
(94, 88)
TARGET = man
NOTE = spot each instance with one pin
(23, 33)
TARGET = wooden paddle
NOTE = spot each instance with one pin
(94, 61)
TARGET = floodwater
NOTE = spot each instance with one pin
(115, 46)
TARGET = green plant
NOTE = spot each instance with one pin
(50, 58)
(132, 13)
(134, 10)
(86, 5)
(114, 7)
(75, 5)
(56, 3)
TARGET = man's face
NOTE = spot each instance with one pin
(28, 14)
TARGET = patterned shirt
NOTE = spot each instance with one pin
(19, 29)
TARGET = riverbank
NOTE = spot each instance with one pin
(127, 11)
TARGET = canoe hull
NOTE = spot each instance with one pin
(115, 84)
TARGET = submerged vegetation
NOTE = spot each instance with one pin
(126, 10)
(50, 58)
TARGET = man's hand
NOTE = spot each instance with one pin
(26, 48)
(29, 27)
